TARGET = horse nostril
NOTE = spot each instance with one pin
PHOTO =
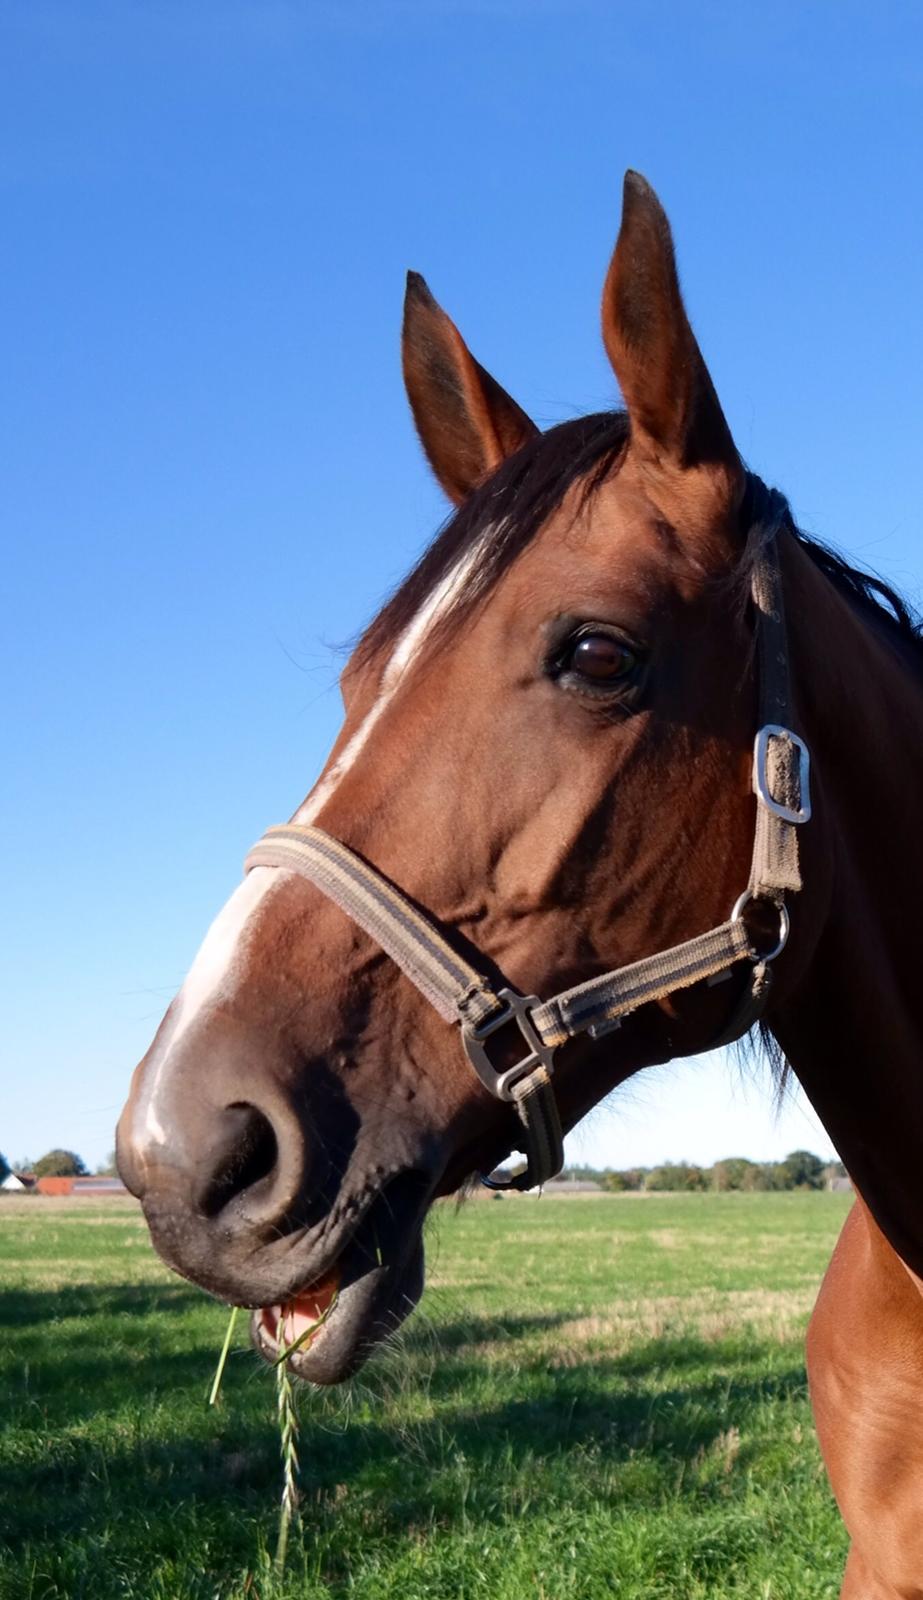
(244, 1152)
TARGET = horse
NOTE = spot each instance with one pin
(629, 764)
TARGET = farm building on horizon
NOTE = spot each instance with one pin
(17, 1182)
(92, 1185)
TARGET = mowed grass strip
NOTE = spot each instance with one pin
(599, 1396)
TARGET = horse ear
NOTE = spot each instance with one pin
(467, 423)
(676, 420)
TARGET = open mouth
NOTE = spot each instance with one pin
(327, 1328)
(296, 1324)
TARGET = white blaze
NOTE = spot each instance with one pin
(212, 972)
(406, 649)
(214, 969)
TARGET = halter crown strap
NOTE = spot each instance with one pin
(460, 993)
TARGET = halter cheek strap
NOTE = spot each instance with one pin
(462, 994)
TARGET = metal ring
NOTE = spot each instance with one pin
(501, 1186)
(784, 926)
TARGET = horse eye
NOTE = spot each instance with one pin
(600, 658)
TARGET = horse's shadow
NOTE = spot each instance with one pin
(549, 1405)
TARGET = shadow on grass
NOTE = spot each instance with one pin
(438, 1417)
(72, 1354)
(420, 1336)
(33, 1308)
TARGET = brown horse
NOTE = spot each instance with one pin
(547, 748)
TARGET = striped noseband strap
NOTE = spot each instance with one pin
(488, 1014)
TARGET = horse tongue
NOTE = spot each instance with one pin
(292, 1321)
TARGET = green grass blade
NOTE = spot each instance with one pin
(222, 1359)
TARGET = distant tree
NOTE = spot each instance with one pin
(802, 1170)
(5, 1168)
(730, 1173)
(60, 1164)
(762, 1176)
(107, 1169)
(675, 1175)
(618, 1182)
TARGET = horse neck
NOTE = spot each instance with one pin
(852, 1023)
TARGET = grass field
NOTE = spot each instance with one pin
(597, 1397)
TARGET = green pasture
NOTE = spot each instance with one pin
(598, 1397)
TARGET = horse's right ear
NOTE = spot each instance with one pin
(467, 423)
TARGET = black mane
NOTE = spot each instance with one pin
(506, 512)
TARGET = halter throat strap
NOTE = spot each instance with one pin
(463, 994)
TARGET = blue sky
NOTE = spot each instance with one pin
(208, 476)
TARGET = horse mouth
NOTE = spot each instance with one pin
(327, 1327)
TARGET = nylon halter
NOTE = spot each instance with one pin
(462, 994)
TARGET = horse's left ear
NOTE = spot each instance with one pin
(678, 433)
(467, 423)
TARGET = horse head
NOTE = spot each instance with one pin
(547, 745)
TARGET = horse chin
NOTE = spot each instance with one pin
(337, 1321)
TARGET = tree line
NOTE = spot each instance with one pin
(57, 1164)
(801, 1169)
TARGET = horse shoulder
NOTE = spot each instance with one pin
(865, 1367)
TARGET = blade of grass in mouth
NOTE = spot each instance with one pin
(287, 1414)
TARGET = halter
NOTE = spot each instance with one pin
(462, 994)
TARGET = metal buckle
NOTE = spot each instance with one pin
(518, 1009)
(784, 926)
(774, 730)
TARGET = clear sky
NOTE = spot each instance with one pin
(208, 476)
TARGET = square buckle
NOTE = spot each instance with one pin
(774, 730)
(518, 1009)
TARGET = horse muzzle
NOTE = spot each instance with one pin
(260, 1186)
